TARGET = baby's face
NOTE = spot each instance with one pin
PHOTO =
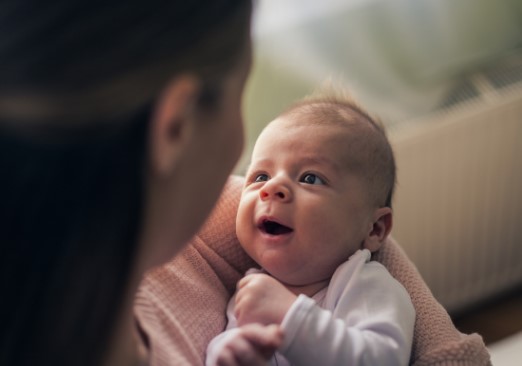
(302, 212)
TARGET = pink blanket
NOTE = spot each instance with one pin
(181, 305)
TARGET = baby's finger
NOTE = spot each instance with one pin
(226, 358)
(242, 282)
(245, 354)
(269, 336)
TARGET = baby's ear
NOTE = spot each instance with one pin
(380, 229)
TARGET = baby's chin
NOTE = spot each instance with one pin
(291, 279)
(308, 289)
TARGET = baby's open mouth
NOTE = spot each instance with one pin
(274, 228)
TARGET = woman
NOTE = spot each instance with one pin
(119, 123)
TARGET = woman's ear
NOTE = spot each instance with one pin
(172, 123)
(381, 226)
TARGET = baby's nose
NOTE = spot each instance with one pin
(277, 191)
(265, 194)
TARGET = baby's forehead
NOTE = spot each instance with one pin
(329, 115)
(290, 130)
(344, 142)
(354, 133)
(344, 125)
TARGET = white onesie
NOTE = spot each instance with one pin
(364, 317)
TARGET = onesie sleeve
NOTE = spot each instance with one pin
(371, 324)
(217, 343)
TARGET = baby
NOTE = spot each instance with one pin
(316, 204)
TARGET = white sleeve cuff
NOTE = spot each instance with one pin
(294, 318)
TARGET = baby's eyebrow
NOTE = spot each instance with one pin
(254, 166)
(311, 160)
(260, 162)
(319, 160)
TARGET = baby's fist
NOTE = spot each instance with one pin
(262, 299)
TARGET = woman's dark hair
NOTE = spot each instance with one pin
(78, 81)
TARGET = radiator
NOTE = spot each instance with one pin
(458, 204)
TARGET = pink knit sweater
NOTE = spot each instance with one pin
(181, 305)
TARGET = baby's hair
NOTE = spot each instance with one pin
(372, 151)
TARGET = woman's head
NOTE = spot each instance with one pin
(85, 59)
(116, 117)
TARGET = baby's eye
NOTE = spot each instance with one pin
(261, 178)
(311, 179)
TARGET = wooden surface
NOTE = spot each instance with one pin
(494, 320)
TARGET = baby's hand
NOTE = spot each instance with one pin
(250, 345)
(262, 299)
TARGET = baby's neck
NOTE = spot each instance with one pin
(308, 290)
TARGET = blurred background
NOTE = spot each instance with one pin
(445, 76)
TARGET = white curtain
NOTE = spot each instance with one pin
(400, 56)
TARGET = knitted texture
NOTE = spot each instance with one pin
(436, 341)
(180, 306)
